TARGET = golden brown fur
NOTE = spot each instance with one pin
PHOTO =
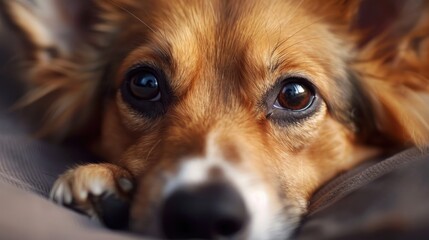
(221, 58)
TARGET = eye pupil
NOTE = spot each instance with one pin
(145, 86)
(295, 96)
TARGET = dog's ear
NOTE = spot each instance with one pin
(51, 28)
(392, 63)
(63, 51)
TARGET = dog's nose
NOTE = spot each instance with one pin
(214, 210)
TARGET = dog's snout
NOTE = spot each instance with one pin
(209, 211)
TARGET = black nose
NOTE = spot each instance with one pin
(210, 211)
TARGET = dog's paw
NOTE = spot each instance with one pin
(90, 188)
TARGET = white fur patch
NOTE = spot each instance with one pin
(267, 220)
(63, 193)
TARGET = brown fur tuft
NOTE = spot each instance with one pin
(393, 66)
(66, 58)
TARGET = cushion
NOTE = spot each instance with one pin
(386, 200)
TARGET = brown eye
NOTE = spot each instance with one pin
(295, 96)
(145, 86)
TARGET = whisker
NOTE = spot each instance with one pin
(150, 151)
(131, 14)
(282, 54)
(280, 43)
(294, 13)
(303, 28)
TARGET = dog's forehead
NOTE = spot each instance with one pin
(245, 44)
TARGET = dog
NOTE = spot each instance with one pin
(219, 119)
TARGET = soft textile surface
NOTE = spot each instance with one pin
(32, 164)
(388, 200)
(24, 215)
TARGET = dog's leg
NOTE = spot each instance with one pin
(86, 188)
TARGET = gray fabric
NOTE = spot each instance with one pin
(388, 200)
(33, 164)
(349, 182)
(27, 216)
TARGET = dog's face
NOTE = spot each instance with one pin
(259, 100)
(231, 92)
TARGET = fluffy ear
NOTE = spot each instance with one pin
(50, 27)
(65, 43)
(392, 62)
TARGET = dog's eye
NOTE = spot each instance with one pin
(295, 96)
(146, 91)
(291, 100)
(145, 86)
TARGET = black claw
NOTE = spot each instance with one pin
(112, 211)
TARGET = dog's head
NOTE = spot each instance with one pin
(230, 113)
